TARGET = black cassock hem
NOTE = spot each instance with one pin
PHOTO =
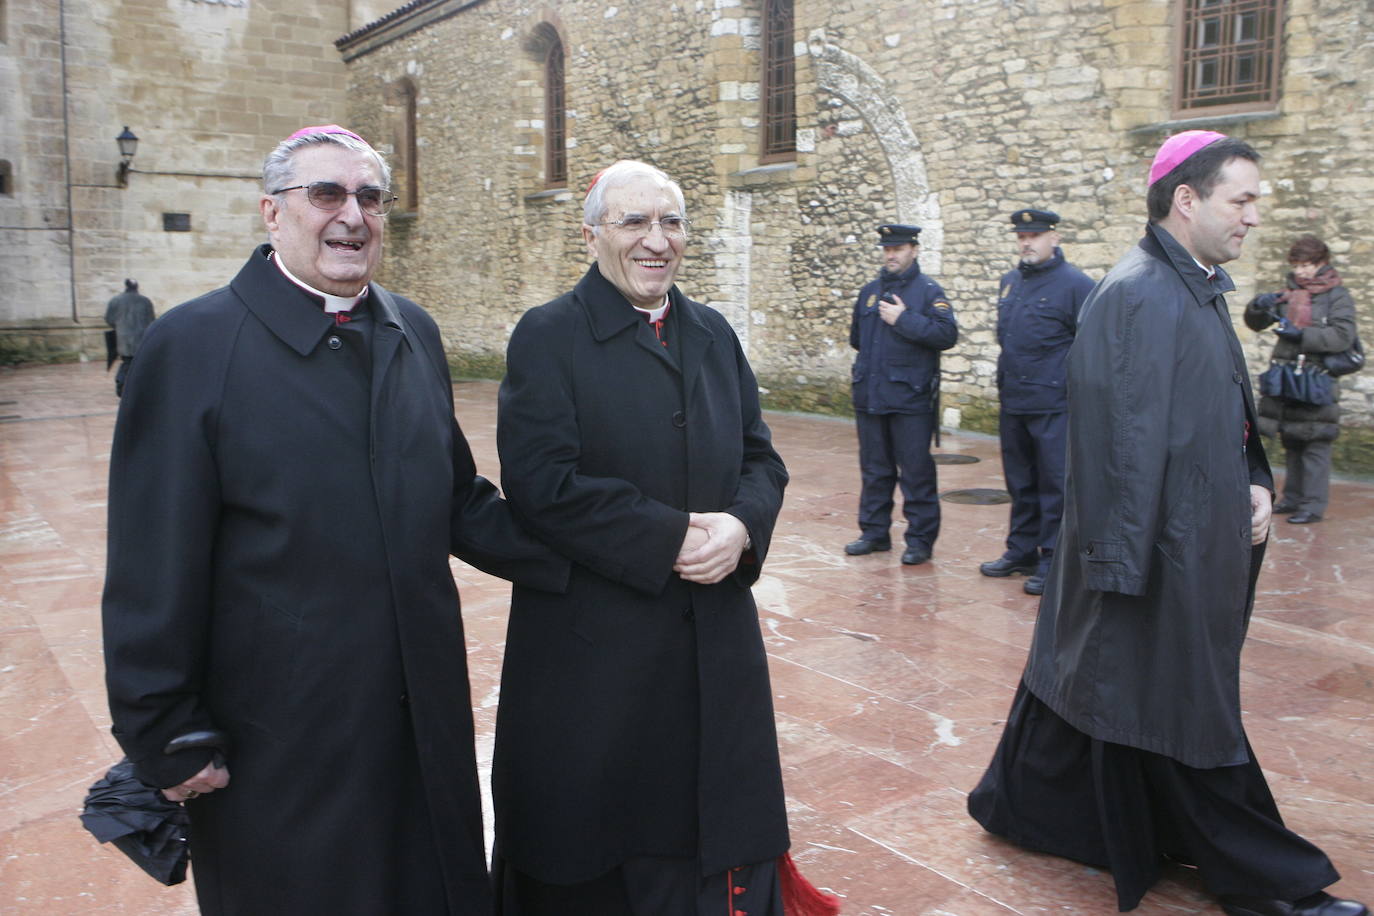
(642, 886)
(1053, 789)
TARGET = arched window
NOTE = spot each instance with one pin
(555, 117)
(779, 83)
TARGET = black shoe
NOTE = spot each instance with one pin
(866, 546)
(915, 556)
(1304, 518)
(1284, 507)
(1035, 585)
(1005, 566)
(1318, 904)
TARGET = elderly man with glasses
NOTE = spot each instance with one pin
(287, 482)
(636, 766)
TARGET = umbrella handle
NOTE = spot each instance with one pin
(210, 737)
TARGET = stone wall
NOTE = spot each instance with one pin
(950, 115)
(209, 86)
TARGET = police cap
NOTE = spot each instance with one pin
(898, 234)
(1034, 220)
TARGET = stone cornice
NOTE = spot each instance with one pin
(413, 16)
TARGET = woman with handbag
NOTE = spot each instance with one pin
(1315, 318)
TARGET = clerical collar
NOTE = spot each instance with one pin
(332, 304)
(654, 314)
(1210, 271)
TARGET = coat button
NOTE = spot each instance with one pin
(688, 614)
(679, 419)
(405, 700)
(1236, 377)
(334, 342)
(1088, 550)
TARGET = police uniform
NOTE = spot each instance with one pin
(1037, 310)
(896, 384)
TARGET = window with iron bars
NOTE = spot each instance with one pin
(1229, 56)
(555, 119)
(779, 89)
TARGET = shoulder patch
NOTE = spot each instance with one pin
(872, 302)
(940, 304)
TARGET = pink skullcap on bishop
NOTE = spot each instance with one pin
(327, 129)
(1178, 148)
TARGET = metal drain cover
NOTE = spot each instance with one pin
(955, 459)
(977, 497)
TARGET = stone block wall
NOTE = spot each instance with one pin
(209, 86)
(950, 114)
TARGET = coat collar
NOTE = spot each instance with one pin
(291, 313)
(1158, 243)
(609, 313)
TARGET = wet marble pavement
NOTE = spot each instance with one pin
(892, 683)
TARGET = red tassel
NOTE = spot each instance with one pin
(799, 896)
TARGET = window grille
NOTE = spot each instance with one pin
(555, 119)
(1229, 55)
(779, 88)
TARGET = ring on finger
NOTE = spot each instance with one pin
(190, 794)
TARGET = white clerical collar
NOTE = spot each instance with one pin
(1210, 271)
(332, 304)
(654, 314)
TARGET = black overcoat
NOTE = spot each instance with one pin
(636, 716)
(283, 501)
(1147, 603)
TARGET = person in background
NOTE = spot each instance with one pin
(1315, 315)
(1037, 312)
(902, 320)
(129, 313)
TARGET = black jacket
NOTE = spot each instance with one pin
(898, 366)
(636, 716)
(283, 501)
(1148, 599)
(1037, 312)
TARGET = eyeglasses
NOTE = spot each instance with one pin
(327, 195)
(673, 227)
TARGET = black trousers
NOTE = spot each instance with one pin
(893, 448)
(1034, 451)
(1053, 789)
(643, 886)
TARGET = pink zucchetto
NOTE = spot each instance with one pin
(327, 129)
(1178, 148)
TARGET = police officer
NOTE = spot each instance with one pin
(902, 321)
(1037, 310)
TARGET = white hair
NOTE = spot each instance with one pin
(617, 175)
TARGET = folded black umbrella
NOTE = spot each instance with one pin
(139, 820)
(141, 823)
(111, 349)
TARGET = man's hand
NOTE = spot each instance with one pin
(1261, 509)
(203, 783)
(891, 311)
(709, 562)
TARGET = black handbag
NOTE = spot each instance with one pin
(1309, 384)
(1347, 361)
